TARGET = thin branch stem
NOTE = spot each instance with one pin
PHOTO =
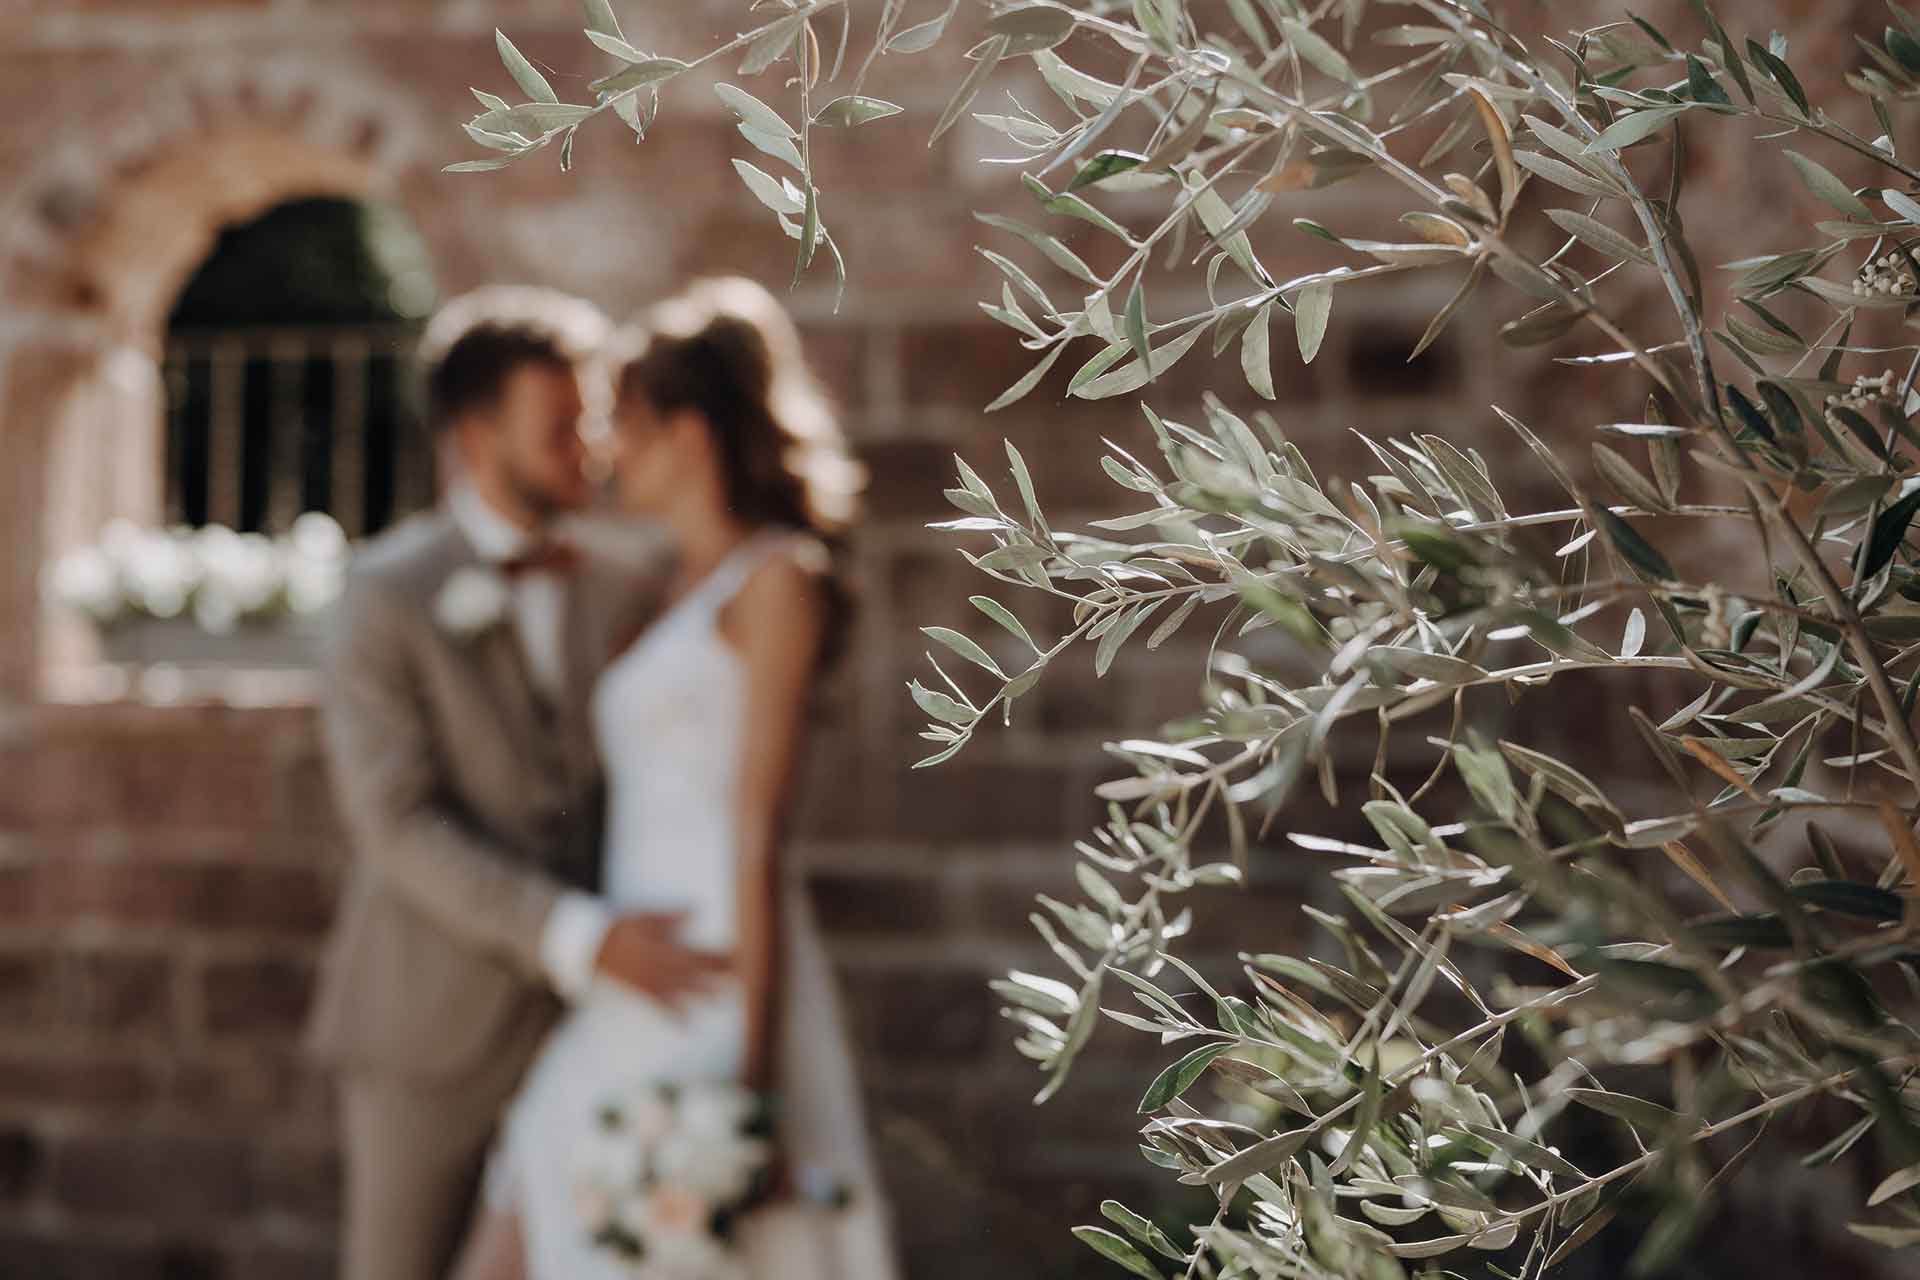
(1755, 1112)
(1901, 732)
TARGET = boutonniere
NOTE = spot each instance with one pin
(472, 602)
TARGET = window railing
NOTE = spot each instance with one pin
(265, 423)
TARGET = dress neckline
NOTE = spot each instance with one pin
(710, 584)
(707, 583)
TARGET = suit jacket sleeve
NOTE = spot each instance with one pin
(420, 849)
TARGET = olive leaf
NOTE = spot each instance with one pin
(1632, 128)
(853, 110)
(1311, 311)
(1115, 1248)
(1180, 1076)
(531, 82)
(1823, 184)
(1889, 531)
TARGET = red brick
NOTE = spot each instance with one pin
(195, 784)
(864, 903)
(836, 350)
(158, 1179)
(19, 893)
(308, 822)
(257, 1083)
(937, 1016)
(22, 1160)
(965, 364)
(1169, 684)
(831, 714)
(1236, 920)
(92, 1254)
(968, 802)
(1376, 358)
(843, 795)
(906, 478)
(98, 1084)
(54, 783)
(928, 588)
(300, 1181)
(116, 991)
(1071, 698)
(1094, 1109)
(261, 997)
(1064, 459)
(939, 1126)
(27, 987)
(219, 897)
(280, 1260)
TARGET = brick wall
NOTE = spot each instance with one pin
(167, 878)
(166, 872)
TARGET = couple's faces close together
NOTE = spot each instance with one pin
(535, 441)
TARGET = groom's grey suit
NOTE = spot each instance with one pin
(473, 800)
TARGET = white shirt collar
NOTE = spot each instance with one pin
(493, 536)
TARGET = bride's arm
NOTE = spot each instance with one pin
(776, 623)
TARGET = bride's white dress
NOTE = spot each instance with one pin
(670, 715)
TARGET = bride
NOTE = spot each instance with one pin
(722, 434)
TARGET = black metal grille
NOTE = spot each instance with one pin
(265, 423)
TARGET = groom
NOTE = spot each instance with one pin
(457, 724)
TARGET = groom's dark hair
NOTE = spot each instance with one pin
(477, 340)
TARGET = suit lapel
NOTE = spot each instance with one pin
(582, 646)
(502, 660)
(495, 658)
(580, 660)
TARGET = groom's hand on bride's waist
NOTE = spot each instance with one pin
(645, 952)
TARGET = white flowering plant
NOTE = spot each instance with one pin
(216, 578)
(668, 1173)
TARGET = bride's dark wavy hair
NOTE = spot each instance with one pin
(726, 349)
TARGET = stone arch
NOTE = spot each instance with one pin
(98, 247)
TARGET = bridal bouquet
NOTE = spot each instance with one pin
(668, 1173)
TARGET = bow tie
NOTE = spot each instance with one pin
(549, 555)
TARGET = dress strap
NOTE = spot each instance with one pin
(726, 580)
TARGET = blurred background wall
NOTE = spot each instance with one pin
(219, 221)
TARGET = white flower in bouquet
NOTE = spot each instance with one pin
(645, 1116)
(664, 1174)
(87, 582)
(720, 1169)
(716, 1110)
(611, 1157)
(473, 601)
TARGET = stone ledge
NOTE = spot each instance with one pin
(165, 686)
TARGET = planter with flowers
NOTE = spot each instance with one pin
(207, 597)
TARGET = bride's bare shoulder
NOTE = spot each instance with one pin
(784, 593)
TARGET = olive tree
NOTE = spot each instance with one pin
(1546, 177)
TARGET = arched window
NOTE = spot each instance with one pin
(287, 372)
